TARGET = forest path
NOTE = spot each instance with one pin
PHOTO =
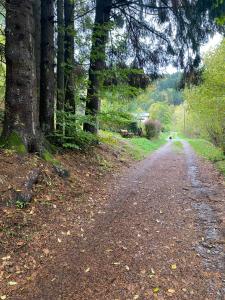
(160, 236)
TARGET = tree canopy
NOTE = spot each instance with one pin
(101, 51)
(206, 102)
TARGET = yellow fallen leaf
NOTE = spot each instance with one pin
(171, 291)
(136, 297)
(6, 257)
(127, 268)
(174, 267)
(116, 263)
(3, 297)
(29, 278)
(108, 250)
(152, 271)
(87, 270)
(155, 290)
(59, 240)
(11, 283)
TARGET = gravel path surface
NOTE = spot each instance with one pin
(161, 235)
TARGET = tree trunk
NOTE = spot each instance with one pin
(69, 57)
(47, 83)
(60, 56)
(37, 20)
(97, 62)
(21, 125)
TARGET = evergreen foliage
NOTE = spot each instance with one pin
(108, 52)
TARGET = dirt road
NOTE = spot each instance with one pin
(161, 235)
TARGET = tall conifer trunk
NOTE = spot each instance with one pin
(37, 20)
(60, 56)
(69, 56)
(97, 62)
(21, 123)
(47, 81)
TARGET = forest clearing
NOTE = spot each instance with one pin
(112, 150)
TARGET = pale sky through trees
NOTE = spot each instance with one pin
(212, 43)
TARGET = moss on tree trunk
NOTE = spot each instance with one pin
(21, 130)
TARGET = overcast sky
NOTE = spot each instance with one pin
(213, 42)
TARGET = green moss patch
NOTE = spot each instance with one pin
(14, 142)
(47, 156)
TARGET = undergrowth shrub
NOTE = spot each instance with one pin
(152, 128)
(70, 134)
(135, 129)
(115, 121)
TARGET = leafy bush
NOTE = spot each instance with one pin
(115, 120)
(162, 112)
(152, 128)
(69, 133)
(135, 129)
(206, 102)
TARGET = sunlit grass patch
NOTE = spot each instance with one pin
(178, 144)
(109, 138)
(177, 147)
(136, 147)
(207, 150)
(141, 147)
(210, 152)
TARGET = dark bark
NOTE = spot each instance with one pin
(37, 20)
(97, 62)
(21, 124)
(47, 83)
(60, 56)
(69, 56)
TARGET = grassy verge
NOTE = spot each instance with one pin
(210, 152)
(177, 146)
(140, 147)
(137, 147)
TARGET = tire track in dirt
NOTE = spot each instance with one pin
(212, 248)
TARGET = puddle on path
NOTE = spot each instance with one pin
(210, 248)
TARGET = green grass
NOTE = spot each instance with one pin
(210, 152)
(177, 146)
(136, 147)
(109, 138)
(140, 147)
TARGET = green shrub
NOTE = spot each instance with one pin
(135, 129)
(70, 134)
(152, 128)
(115, 120)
